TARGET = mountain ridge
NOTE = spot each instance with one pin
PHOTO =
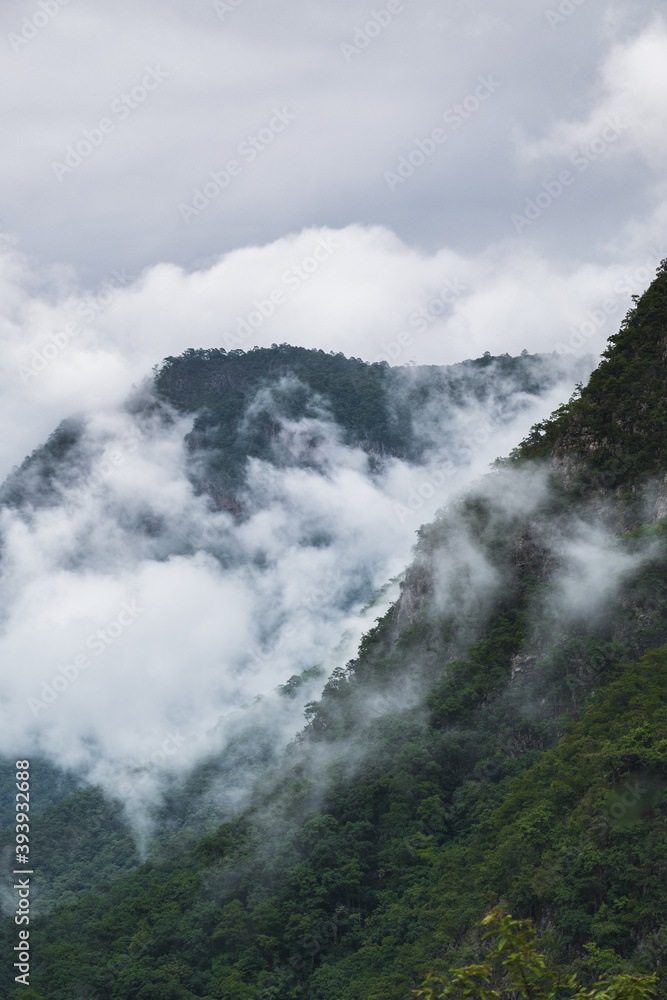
(617, 423)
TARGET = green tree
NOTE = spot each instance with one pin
(514, 968)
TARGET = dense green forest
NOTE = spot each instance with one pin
(500, 739)
(240, 402)
(619, 424)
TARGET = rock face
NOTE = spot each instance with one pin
(521, 664)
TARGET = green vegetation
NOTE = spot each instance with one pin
(358, 897)
(514, 963)
(75, 856)
(242, 400)
(496, 745)
(384, 839)
(618, 424)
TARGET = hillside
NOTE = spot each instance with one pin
(500, 737)
(242, 401)
(615, 432)
(284, 405)
(285, 409)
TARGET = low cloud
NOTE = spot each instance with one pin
(593, 568)
(366, 296)
(132, 611)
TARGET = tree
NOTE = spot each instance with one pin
(514, 968)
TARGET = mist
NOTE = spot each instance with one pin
(145, 628)
(64, 346)
(202, 612)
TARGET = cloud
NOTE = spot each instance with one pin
(224, 78)
(102, 276)
(368, 295)
(626, 116)
(467, 578)
(138, 614)
(593, 567)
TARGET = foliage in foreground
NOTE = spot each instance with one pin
(514, 968)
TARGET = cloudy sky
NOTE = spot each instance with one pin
(409, 180)
(357, 87)
(499, 168)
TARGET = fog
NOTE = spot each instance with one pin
(142, 625)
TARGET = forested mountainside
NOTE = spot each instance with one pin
(287, 408)
(371, 403)
(616, 432)
(278, 404)
(242, 401)
(500, 738)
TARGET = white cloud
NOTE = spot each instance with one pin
(130, 610)
(431, 273)
(627, 114)
(64, 351)
(593, 566)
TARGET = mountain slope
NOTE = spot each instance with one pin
(243, 400)
(88, 483)
(616, 429)
(277, 404)
(500, 736)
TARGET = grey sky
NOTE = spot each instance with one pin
(357, 111)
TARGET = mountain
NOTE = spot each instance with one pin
(499, 737)
(279, 404)
(615, 433)
(286, 409)
(270, 404)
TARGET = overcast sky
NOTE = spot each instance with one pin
(355, 101)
